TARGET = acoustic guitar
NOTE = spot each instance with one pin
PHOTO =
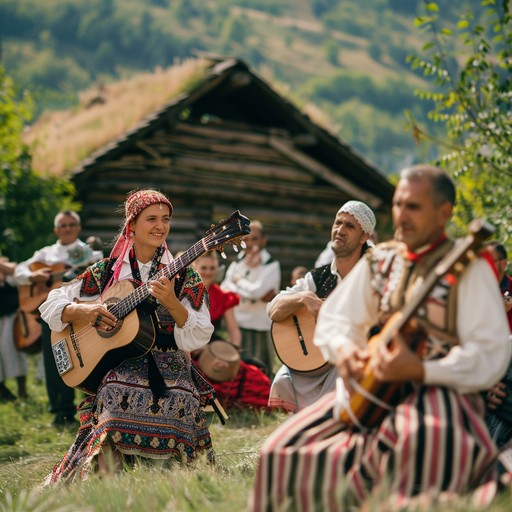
(293, 342)
(373, 399)
(84, 354)
(27, 325)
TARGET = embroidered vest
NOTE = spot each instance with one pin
(396, 279)
(325, 280)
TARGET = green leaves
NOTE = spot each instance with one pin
(28, 203)
(474, 104)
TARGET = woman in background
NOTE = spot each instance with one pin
(222, 302)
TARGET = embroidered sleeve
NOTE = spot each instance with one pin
(193, 289)
(96, 277)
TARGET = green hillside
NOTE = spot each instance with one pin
(344, 56)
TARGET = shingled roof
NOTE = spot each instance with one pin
(241, 95)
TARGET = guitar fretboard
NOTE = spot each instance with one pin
(216, 238)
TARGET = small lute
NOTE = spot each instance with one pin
(373, 399)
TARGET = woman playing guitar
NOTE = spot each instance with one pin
(143, 311)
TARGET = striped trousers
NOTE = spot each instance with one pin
(433, 445)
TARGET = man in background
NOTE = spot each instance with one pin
(256, 278)
(353, 224)
(74, 254)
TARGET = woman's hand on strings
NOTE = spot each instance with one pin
(95, 314)
(163, 290)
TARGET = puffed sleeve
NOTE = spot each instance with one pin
(51, 309)
(198, 329)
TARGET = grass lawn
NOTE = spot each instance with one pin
(30, 445)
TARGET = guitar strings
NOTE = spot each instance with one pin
(138, 295)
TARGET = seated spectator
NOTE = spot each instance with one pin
(237, 384)
(222, 302)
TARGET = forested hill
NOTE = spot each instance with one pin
(345, 56)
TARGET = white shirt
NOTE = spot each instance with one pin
(75, 254)
(476, 364)
(253, 283)
(193, 335)
(326, 256)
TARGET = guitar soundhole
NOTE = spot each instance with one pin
(108, 334)
(110, 303)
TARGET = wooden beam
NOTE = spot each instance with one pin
(288, 149)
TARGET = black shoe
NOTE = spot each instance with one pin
(6, 395)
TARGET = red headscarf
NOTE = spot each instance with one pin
(134, 204)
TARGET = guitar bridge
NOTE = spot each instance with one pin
(62, 357)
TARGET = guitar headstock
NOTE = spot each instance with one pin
(229, 230)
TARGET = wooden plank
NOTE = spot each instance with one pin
(215, 132)
(177, 142)
(319, 169)
(245, 168)
(208, 185)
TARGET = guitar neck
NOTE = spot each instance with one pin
(140, 294)
(236, 225)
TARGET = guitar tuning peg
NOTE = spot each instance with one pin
(223, 255)
(235, 247)
(242, 244)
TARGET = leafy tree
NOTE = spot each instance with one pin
(28, 203)
(475, 105)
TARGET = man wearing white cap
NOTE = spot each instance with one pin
(293, 390)
(365, 217)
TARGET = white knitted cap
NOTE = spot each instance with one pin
(362, 213)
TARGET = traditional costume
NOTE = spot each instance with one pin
(293, 390)
(220, 301)
(435, 441)
(149, 406)
(251, 284)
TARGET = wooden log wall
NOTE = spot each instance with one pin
(208, 171)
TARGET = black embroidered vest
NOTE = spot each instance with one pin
(325, 280)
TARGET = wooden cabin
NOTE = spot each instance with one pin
(233, 143)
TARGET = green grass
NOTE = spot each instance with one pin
(30, 446)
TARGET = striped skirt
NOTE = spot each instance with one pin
(434, 444)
